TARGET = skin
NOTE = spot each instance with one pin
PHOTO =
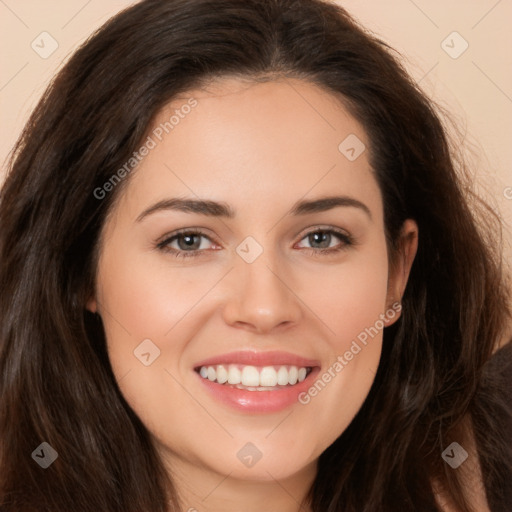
(259, 148)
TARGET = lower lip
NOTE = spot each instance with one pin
(258, 401)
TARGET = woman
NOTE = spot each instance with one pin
(173, 338)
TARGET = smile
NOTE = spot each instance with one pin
(256, 382)
(255, 378)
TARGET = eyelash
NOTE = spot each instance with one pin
(346, 240)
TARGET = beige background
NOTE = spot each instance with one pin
(476, 86)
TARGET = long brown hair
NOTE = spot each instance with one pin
(56, 383)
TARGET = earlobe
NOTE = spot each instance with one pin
(401, 268)
(91, 305)
(393, 313)
(409, 248)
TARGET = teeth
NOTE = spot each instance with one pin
(282, 376)
(234, 375)
(293, 375)
(254, 378)
(268, 376)
(250, 376)
(222, 374)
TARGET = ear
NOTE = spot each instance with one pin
(92, 305)
(400, 269)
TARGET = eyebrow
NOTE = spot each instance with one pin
(221, 209)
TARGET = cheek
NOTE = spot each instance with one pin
(149, 297)
(349, 297)
(146, 298)
(141, 299)
(351, 303)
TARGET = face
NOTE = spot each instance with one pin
(244, 281)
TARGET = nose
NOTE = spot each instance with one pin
(261, 297)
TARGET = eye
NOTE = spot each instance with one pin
(185, 243)
(327, 241)
(192, 243)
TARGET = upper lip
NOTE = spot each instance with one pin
(255, 358)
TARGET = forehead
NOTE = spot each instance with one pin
(248, 142)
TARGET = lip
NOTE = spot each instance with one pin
(258, 402)
(255, 358)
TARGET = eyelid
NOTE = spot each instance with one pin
(186, 231)
(322, 227)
